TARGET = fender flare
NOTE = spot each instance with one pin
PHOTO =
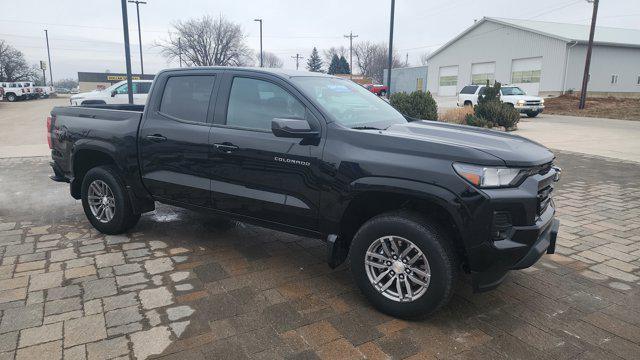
(420, 190)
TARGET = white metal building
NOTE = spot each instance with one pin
(407, 79)
(543, 58)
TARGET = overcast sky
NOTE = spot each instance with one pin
(86, 35)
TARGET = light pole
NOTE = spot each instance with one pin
(139, 31)
(260, 21)
(393, 7)
(180, 51)
(127, 52)
(46, 34)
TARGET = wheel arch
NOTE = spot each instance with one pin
(373, 196)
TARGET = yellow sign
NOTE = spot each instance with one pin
(121, 77)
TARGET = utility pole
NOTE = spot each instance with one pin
(260, 20)
(46, 34)
(350, 37)
(298, 58)
(139, 31)
(127, 52)
(180, 52)
(393, 7)
(587, 63)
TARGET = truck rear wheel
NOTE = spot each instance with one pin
(404, 264)
(105, 201)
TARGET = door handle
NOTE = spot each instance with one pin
(156, 138)
(226, 147)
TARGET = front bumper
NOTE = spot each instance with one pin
(520, 241)
(529, 108)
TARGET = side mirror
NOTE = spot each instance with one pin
(113, 93)
(292, 128)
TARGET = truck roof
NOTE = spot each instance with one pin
(286, 73)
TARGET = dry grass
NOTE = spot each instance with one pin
(456, 115)
(610, 107)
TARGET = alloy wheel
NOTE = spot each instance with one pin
(101, 201)
(397, 268)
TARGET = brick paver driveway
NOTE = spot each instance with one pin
(187, 286)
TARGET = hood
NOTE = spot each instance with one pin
(85, 94)
(521, 97)
(512, 149)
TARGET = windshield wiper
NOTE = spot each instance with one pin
(366, 128)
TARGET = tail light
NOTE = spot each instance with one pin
(50, 123)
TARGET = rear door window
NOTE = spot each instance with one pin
(144, 87)
(469, 90)
(187, 97)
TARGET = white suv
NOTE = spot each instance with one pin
(513, 95)
(13, 91)
(114, 94)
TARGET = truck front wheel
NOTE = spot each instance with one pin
(105, 201)
(11, 97)
(404, 264)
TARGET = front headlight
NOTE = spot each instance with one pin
(490, 177)
(521, 102)
(541, 101)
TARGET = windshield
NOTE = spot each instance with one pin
(348, 103)
(513, 90)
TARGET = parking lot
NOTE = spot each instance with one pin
(188, 286)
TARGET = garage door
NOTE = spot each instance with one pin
(483, 72)
(525, 73)
(448, 81)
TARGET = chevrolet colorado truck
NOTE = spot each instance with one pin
(408, 203)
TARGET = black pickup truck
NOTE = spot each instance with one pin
(408, 203)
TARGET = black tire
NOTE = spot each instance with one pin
(11, 97)
(468, 103)
(532, 114)
(123, 218)
(430, 239)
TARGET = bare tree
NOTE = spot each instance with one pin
(372, 59)
(271, 60)
(13, 66)
(424, 57)
(338, 51)
(206, 42)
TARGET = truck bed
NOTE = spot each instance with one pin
(111, 127)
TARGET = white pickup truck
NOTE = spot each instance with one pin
(114, 94)
(513, 95)
(13, 91)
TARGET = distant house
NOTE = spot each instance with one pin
(544, 58)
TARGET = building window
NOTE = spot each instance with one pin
(614, 79)
(529, 76)
(451, 80)
(419, 84)
(482, 79)
(638, 80)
